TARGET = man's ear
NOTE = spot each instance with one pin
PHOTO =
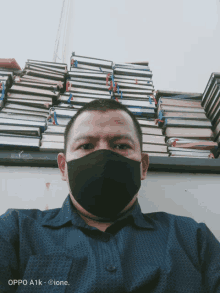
(61, 161)
(145, 164)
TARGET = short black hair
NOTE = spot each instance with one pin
(103, 105)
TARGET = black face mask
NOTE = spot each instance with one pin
(104, 182)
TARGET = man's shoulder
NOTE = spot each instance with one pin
(168, 219)
(32, 214)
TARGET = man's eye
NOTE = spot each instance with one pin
(82, 146)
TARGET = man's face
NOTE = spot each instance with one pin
(94, 131)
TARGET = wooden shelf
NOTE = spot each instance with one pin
(159, 164)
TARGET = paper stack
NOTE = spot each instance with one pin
(9, 64)
(91, 79)
(187, 130)
(88, 79)
(8, 68)
(34, 90)
(132, 86)
(5, 83)
(211, 104)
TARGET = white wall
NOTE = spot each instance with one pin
(192, 195)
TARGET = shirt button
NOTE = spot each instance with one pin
(111, 268)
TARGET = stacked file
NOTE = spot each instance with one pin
(9, 64)
(153, 140)
(53, 137)
(91, 79)
(211, 104)
(5, 83)
(34, 90)
(88, 79)
(187, 130)
(132, 86)
(9, 68)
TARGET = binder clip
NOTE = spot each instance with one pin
(68, 86)
(111, 86)
(154, 99)
(113, 81)
(107, 78)
(158, 120)
(150, 100)
(55, 119)
(161, 115)
(174, 143)
(121, 95)
(70, 98)
(3, 92)
(74, 62)
(49, 119)
(118, 89)
(101, 69)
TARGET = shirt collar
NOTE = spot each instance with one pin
(68, 212)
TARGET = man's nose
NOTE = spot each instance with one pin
(104, 145)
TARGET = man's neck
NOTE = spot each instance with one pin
(99, 225)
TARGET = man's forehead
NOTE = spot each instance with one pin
(92, 123)
(95, 118)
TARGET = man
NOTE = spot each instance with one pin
(100, 241)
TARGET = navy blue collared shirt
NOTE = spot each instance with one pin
(56, 251)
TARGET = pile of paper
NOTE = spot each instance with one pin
(132, 86)
(88, 79)
(8, 69)
(34, 90)
(6, 78)
(211, 104)
(187, 130)
(9, 64)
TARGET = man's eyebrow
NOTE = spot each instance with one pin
(126, 136)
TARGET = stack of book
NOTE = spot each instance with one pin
(34, 90)
(211, 104)
(90, 79)
(8, 68)
(153, 140)
(5, 83)
(53, 137)
(132, 86)
(87, 80)
(9, 64)
(187, 130)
